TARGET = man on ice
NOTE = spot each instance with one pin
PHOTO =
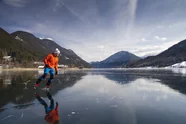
(51, 66)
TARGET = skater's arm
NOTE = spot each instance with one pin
(46, 59)
(56, 66)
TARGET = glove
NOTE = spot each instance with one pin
(56, 73)
(46, 66)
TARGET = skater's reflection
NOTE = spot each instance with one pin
(52, 116)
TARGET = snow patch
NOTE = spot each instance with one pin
(178, 65)
(18, 38)
(66, 57)
(45, 38)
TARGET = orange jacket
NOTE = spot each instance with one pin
(52, 116)
(51, 61)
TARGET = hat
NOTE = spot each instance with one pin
(57, 51)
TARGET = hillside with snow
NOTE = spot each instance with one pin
(179, 65)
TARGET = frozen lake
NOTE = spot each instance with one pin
(97, 97)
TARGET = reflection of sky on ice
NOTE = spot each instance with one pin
(142, 93)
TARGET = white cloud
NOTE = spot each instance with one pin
(160, 38)
(17, 3)
(144, 40)
(101, 47)
(163, 38)
(157, 37)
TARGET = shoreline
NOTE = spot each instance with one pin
(69, 69)
(35, 69)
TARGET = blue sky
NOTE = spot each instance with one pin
(95, 29)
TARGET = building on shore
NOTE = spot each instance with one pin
(7, 58)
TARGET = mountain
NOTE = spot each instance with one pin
(45, 46)
(36, 49)
(13, 47)
(174, 54)
(118, 59)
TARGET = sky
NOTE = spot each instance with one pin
(96, 29)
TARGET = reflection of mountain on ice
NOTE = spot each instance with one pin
(179, 70)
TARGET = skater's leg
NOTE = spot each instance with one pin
(51, 78)
(41, 78)
(46, 71)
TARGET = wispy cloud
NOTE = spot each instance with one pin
(16, 3)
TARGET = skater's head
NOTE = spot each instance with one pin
(56, 52)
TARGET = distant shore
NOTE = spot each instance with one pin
(33, 69)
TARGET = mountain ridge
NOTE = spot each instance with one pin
(116, 60)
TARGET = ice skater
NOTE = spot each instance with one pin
(51, 66)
